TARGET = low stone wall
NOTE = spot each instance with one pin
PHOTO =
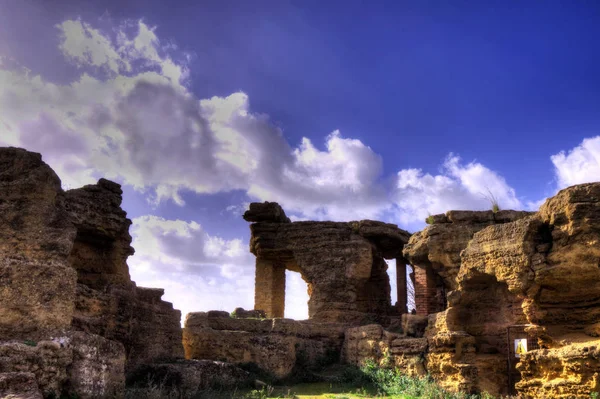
(274, 345)
(385, 348)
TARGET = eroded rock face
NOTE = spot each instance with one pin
(373, 342)
(540, 271)
(65, 288)
(342, 263)
(20, 385)
(98, 367)
(568, 372)
(37, 286)
(47, 360)
(439, 245)
(274, 345)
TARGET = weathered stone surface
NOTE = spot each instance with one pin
(186, 377)
(34, 224)
(439, 245)
(36, 298)
(274, 345)
(102, 244)
(241, 313)
(271, 352)
(568, 372)
(372, 342)
(98, 367)
(266, 212)
(342, 263)
(47, 360)
(19, 385)
(470, 216)
(113, 312)
(36, 286)
(569, 278)
(63, 269)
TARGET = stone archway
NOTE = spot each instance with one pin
(342, 263)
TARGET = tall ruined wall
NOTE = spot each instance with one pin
(108, 303)
(37, 286)
(537, 275)
(342, 263)
(71, 319)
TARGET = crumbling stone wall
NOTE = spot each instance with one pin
(342, 263)
(70, 316)
(538, 270)
(435, 252)
(278, 346)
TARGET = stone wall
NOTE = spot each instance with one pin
(405, 348)
(435, 252)
(535, 270)
(277, 346)
(69, 313)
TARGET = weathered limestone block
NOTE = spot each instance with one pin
(33, 224)
(372, 342)
(450, 356)
(568, 372)
(20, 385)
(570, 281)
(504, 251)
(274, 345)
(77, 363)
(148, 327)
(467, 342)
(98, 367)
(269, 295)
(46, 360)
(271, 352)
(36, 298)
(36, 286)
(441, 243)
(242, 313)
(158, 331)
(102, 244)
(266, 212)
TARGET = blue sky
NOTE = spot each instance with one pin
(337, 110)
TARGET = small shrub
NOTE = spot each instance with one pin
(30, 343)
(429, 219)
(263, 393)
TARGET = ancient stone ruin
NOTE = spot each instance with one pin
(71, 320)
(506, 302)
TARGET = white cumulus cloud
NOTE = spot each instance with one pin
(458, 186)
(579, 165)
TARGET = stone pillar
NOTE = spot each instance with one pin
(425, 290)
(402, 303)
(269, 288)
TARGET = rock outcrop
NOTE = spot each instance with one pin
(342, 263)
(435, 252)
(69, 313)
(518, 276)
